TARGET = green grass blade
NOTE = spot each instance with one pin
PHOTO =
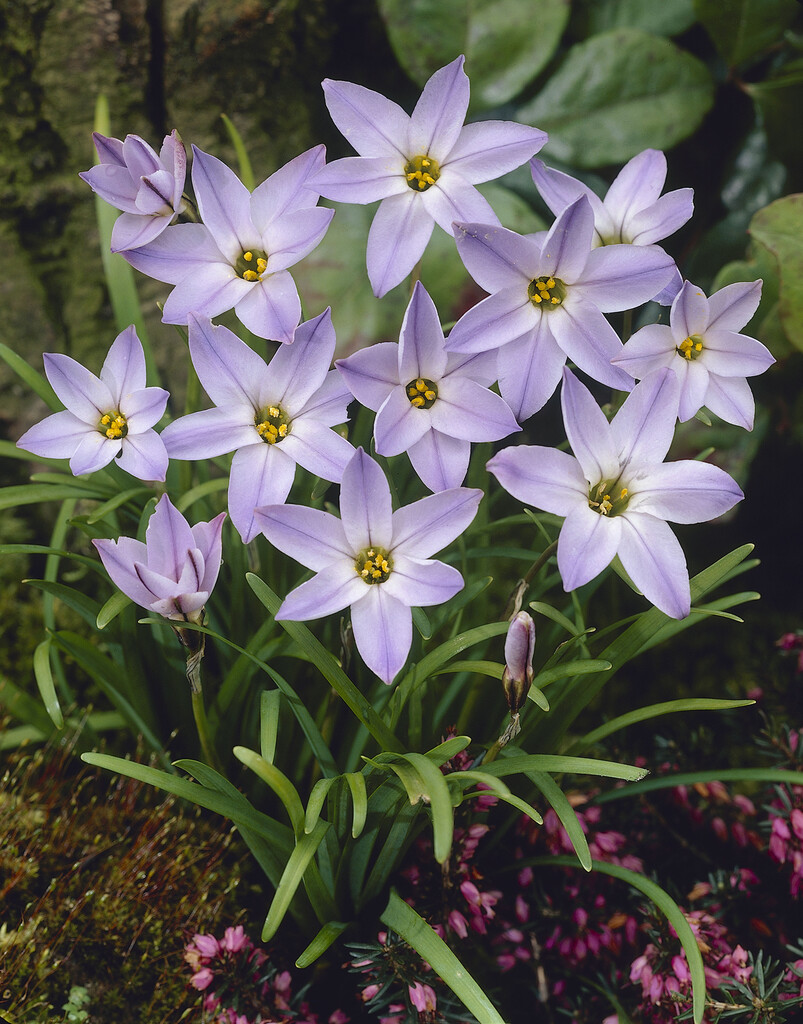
(269, 701)
(526, 763)
(667, 707)
(328, 934)
(112, 608)
(327, 665)
(713, 775)
(243, 161)
(670, 909)
(31, 378)
(440, 803)
(317, 798)
(359, 797)
(291, 878)
(559, 803)
(434, 951)
(567, 669)
(85, 606)
(499, 789)
(44, 680)
(278, 782)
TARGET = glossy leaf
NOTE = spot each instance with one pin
(291, 878)
(328, 934)
(742, 29)
(779, 227)
(44, 680)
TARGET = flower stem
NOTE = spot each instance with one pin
(195, 643)
(516, 598)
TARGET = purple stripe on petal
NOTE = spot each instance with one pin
(311, 536)
(361, 179)
(637, 185)
(144, 456)
(168, 538)
(731, 399)
(224, 204)
(209, 433)
(298, 370)
(662, 219)
(261, 474)
(93, 453)
(469, 411)
(420, 583)
(589, 341)
(685, 492)
(287, 189)
(454, 199)
(441, 461)
(295, 235)
(399, 425)
(694, 379)
(143, 408)
(689, 313)
(588, 431)
(56, 436)
(495, 257)
(439, 114)
(733, 306)
(374, 125)
(735, 355)
(119, 558)
(398, 237)
(319, 449)
(332, 590)
(542, 477)
(530, 368)
(231, 373)
(586, 545)
(643, 428)
(123, 368)
(383, 632)
(329, 404)
(271, 308)
(624, 276)
(567, 245)
(132, 231)
(365, 505)
(80, 391)
(424, 527)
(654, 560)
(372, 373)
(178, 251)
(421, 350)
(113, 183)
(487, 149)
(207, 291)
(209, 540)
(649, 349)
(498, 320)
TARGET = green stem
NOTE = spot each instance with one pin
(517, 596)
(195, 643)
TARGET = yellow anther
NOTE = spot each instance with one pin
(283, 430)
(551, 283)
(418, 401)
(262, 266)
(273, 411)
(420, 385)
(623, 493)
(425, 162)
(421, 172)
(699, 346)
(370, 553)
(412, 392)
(105, 420)
(248, 256)
(538, 298)
(430, 396)
(250, 275)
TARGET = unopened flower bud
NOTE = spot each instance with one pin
(519, 649)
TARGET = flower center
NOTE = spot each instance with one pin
(373, 565)
(251, 265)
(600, 498)
(272, 424)
(690, 348)
(422, 172)
(113, 425)
(546, 292)
(422, 393)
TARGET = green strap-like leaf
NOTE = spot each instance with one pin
(525, 763)
(315, 803)
(112, 608)
(85, 606)
(44, 680)
(359, 797)
(243, 161)
(328, 934)
(499, 789)
(665, 903)
(401, 917)
(566, 814)
(569, 669)
(278, 782)
(269, 701)
(714, 775)
(292, 877)
(327, 665)
(32, 378)
(668, 707)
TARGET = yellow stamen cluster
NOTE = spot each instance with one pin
(422, 172)
(546, 292)
(600, 500)
(272, 425)
(251, 265)
(113, 425)
(422, 393)
(373, 565)
(690, 348)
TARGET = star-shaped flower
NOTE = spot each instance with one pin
(704, 350)
(422, 167)
(106, 418)
(430, 404)
(372, 558)
(174, 571)
(633, 210)
(145, 185)
(271, 415)
(547, 302)
(617, 493)
(239, 256)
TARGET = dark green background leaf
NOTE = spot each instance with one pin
(743, 28)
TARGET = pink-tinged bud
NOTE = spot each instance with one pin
(234, 939)
(339, 1017)
(796, 821)
(522, 910)
(369, 992)
(458, 924)
(422, 997)
(519, 650)
(744, 803)
(207, 945)
(720, 828)
(202, 979)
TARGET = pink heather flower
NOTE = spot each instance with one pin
(422, 167)
(202, 979)
(234, 939)
(107, 417)
(369, 992)
(147, 187)
(339, 1017)
(422, 997)
(458, 924)
(207, 945)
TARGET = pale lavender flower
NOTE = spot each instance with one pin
(147, 186)
(431, 404)
(422, 167)
(372, 558)
(107, 417)
(239, 256)
(704, 350)
(174, 571)
(633, 210)
(272, 415)
(547, 302)
(616, 492)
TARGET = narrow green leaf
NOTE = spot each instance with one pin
(315, 803)
(32, 379)
(278, 782)
(712, 775)
(188, 499)
(269, 701)
(243, 162)
(291, 878)
(330, 669)
(112, 608)
(566, 814)
(26, 708)
(667, 905)
(401, 917)
(44, 680)
(552, 613)
(494, 669)
(570, 668)
(448, 749)
(668, 707)
(359, 797)
(497, 787)
(440, 803)
(527, 763)
(328, 934)
(29, 494)
(421, 623)
(115, 502)
(85, 606)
